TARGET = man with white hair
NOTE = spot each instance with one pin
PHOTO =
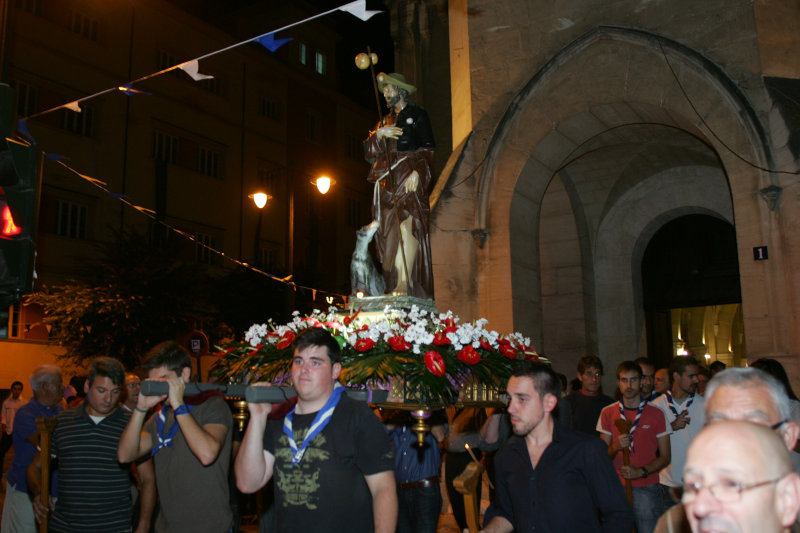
(739, 479)
(742, 394)
(47, 388)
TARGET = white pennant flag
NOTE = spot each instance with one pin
(74, 106)
(191, 68)
(359, 9)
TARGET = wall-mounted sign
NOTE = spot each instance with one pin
(760, 253)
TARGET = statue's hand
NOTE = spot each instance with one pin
(389, 132)
(412, 182)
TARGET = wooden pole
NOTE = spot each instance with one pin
(624, 426)
(46, 427)
(467, 484)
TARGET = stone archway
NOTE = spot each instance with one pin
(627, 155)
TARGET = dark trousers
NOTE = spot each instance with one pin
(419, 509)
(454, 465)
(5, 444)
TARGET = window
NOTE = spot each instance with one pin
(202, 253)
(354, 148)
(269, 259)
(31, 6)
(81, 123)
(270, 108)
(313, 126)
(302, 54)
(211, 85)
(267, 179)
(320, 63)
(14, 321)
(26, 99)
(208, 162)
(165, 147)
(71, 220)
(165, 60)
(84, 26)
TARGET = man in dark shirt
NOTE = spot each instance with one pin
(587, 403)
(548, 478)
(416, 470)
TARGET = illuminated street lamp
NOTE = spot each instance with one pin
(260, 199)
(323, 184)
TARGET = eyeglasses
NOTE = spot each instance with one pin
(779, 424)
(725, 490)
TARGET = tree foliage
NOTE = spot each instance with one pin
(133, 296)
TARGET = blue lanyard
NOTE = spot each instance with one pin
(165, 439)
(635, 423)
(671, 403)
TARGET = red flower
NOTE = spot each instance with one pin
(485, 345)
(286, 340)
(469, 355)
(531, 355)
(348, 319)
(507, 350)
(449, 323)
(434, 363)
(440, 339)
(223, 353)
(258, 347)
(364, 345)
(399, 344)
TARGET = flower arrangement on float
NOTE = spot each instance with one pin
(435, 354)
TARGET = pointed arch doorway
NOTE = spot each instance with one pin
(691, 292)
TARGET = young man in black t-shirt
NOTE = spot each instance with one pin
(330, 455)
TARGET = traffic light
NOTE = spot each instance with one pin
(20, 179)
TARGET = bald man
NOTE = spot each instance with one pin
(739, 479)
(661, 382)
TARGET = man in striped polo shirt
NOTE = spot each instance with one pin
(94, 488)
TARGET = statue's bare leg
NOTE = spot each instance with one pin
(404, 260)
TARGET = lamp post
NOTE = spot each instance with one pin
(260, 199)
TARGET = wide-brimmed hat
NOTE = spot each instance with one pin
(398, 80)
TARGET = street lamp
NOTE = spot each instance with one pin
(260, 199)
(323, 184)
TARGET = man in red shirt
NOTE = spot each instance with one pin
(647, 442)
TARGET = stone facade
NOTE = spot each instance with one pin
(594, 124)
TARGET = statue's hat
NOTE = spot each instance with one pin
(398, 80)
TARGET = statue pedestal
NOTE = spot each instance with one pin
(374, 305)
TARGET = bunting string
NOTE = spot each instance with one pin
(191, 67)
(103, 186)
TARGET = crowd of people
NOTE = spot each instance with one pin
(668, 462)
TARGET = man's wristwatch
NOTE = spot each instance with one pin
(645, 473)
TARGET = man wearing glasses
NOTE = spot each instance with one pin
(739, 478)
(587, 403)
(742, 394)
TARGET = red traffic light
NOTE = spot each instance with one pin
(7, 226)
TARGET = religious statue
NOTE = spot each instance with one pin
(401, 152)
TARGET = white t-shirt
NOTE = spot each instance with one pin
(679, 440)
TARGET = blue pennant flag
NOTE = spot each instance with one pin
(130, 91)
(269, 42)
(22, 128)
(54, 156)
